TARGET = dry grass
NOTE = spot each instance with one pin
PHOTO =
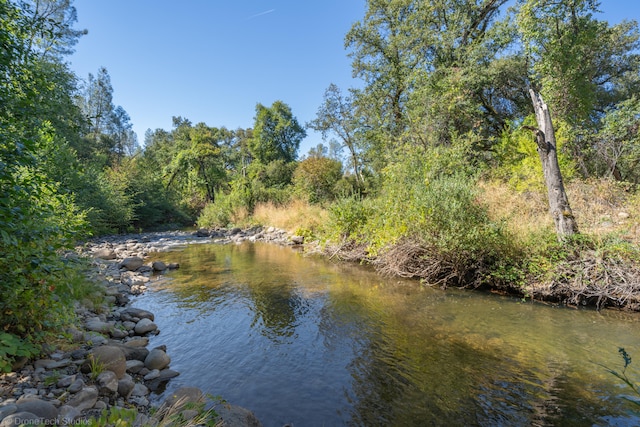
(601, 207)
(294, 216)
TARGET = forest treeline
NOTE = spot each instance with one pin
(438, 125)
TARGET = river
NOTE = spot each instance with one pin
(303, 340)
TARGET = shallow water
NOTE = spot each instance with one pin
(306, 341)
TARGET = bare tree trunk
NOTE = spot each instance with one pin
(546, 139)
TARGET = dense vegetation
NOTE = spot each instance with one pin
(428, 169)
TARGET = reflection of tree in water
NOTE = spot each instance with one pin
(277, 309)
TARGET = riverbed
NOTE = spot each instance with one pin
(304, 340)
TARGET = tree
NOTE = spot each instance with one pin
(336, 116)
(276, 134)
(316, 177)
(559, 207)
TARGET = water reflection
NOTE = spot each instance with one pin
(305, 341)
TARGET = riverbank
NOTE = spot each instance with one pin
(102, 368)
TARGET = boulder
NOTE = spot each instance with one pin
(84, 399)
(236, 416)
(157, 359)
(125, 386)
(145, 326)
(107, 383)
(158, 266)
(131, 263)
(68, 415)
(110, 358)
(45, 410)
(182, 397)
(20, 418)
(131, 312)
(105, 253)
(297, 240)
(134, 366)
(131, 352)
(96, 325)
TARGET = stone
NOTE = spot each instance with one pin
(105, 253)
(111, 358)
(131, 312)
(119, 333)
(51, 364)
(20, 418)
(96, 325)
(100, 405)
(182, 397)
(125, 386)
(202, 232)
(132, 263)
(131, 352)
(157, 359)
(76, 386)
(66, 381)
(41, 408)
(173, 266)
(139, 390)
(236, 416)
(623, 215)
(85, 399)
(158, 266)
(8, 409)
(107, 383)
(68, 414)
(145, 326)
(134, 366)
(94, 338)
(152, 375)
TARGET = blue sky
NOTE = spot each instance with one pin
(212, 61)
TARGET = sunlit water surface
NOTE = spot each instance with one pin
(306, 341)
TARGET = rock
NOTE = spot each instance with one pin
(107, 383)
(68, 414)
(66, 381)
(111, 358)
(623, 215)
(163, 376)
(51, 364)
(203, 232)
(235, 416)
(297, 240)
(7, 410)
(139, 390)
(181, 397)
(189, 414)
(41, 408)
(85, 399)
(158, 266)
(157, 359)
(131, 352)
(131, 312)
(94, 338)
(105, 253)
(145, 326)
(100, 405)
(76, 386)
(152, 375)
(173, 266)
(96, 325)
(118, 333)
(21, 418)
(134, 366)
(132, 263)
(125, 386)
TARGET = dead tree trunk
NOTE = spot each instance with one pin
(558, 202)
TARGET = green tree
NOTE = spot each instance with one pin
(276, 134)
(316, 177)
(336, 117)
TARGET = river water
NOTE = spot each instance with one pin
(307, 341)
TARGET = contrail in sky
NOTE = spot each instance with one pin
(261, 13)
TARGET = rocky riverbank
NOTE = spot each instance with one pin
(109, 367)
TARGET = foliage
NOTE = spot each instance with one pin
(13, 347)
(315, 178)
(276, 134)
(517, 159)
